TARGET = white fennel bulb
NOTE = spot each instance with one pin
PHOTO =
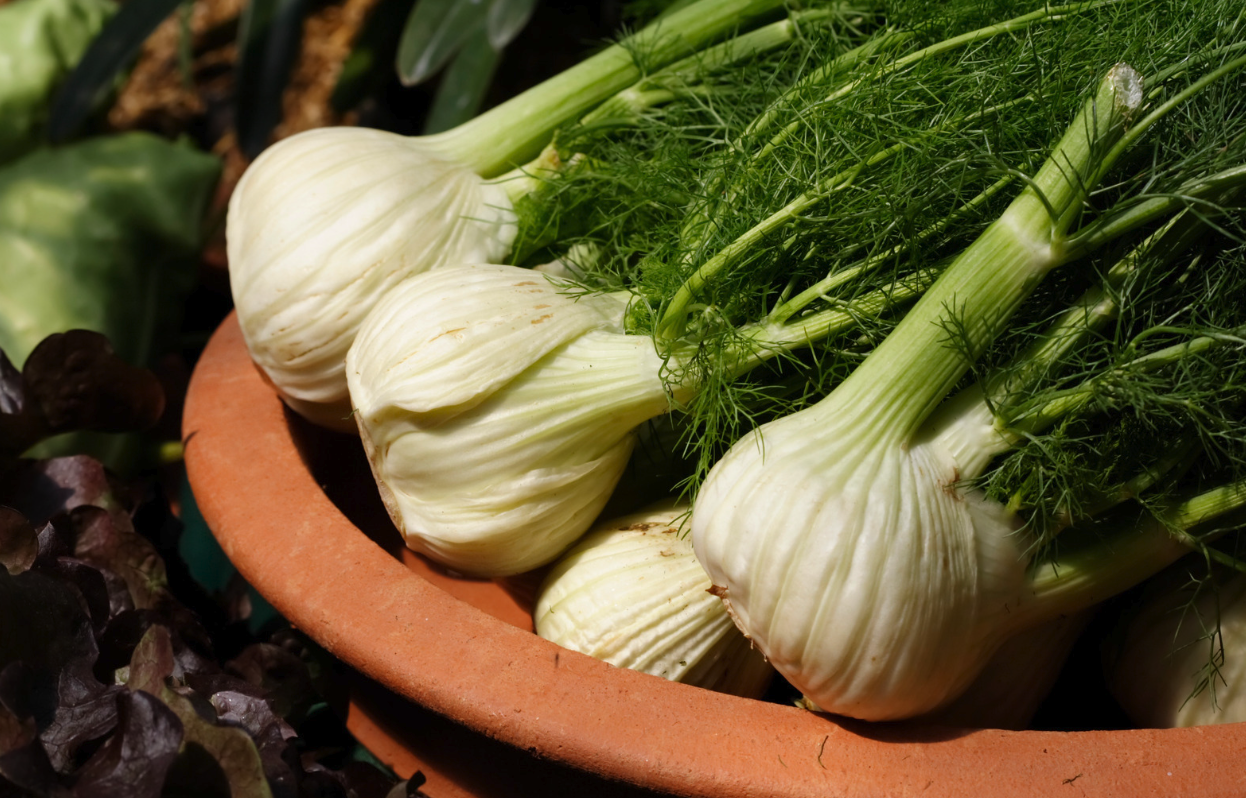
(857, 566)
(632, 593)
(498, 411)
(841, 537)
(328, 221)
(1160, 672)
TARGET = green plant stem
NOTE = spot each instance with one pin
(761, 341)
(516, 130)
(1184, 453)
(626, 107)
(1162, 110)
(1051, 14)
(1202, 194)
(698, 226)
(757, 343)
(1075, 399)
(819, 290)
(1090, 312)
(832, 73)
(675, 316)
(902, 382)
(699, 222)
(1120, 558)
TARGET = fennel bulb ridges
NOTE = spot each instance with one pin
(364, 209)
(856, 568)
(632, 593)
(498, 411)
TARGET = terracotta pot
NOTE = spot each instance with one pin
(292, 510)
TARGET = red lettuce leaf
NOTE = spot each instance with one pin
(152, 662)
(75, 381)
(134, 761)
(103, 543)
(19, 544)
(41, 489)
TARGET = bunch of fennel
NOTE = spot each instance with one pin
(929, 481)
(917, 579)
(1061, 436)
(498, 405)
(326, 222)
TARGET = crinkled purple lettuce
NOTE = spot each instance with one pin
(111, 686)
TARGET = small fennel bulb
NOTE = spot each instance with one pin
(328, 221)
(498, 411)
(1160, 670)
(632, 593)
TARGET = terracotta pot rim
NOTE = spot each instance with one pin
(333, 582)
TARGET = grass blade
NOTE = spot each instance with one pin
(506, 19)
(434, 32)
(115, 47)
(269, 40)
(464, 84)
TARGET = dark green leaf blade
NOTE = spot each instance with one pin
(434, 32)
(506, 19)
(463, 87)
(271, 33)
(375, 49)
(117, 44)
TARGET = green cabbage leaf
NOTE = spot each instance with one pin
(40, 42)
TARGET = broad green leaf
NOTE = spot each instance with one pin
(506, 18)
(434, 32)
(96, 235)
(40, 41)
(464, 84)
(269, 40)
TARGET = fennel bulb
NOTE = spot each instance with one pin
(1180, 658)
(326, 222)
(330, 220)
(839, 536)
(855, 563)
(498, 411)
(632, 593)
